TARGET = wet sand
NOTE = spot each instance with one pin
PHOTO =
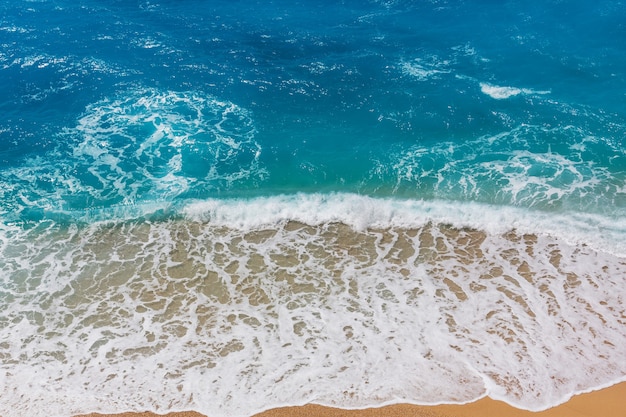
(609, 402)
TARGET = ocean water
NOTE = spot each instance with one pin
(229, 206)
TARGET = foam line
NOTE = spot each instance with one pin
(361, 212)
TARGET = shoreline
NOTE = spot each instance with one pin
(606, 402)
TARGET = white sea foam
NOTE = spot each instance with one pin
(338, 299)
(145, 146)
(14, 29)
(423, 69)
(515, 168)
(362, 212)
(503, 92)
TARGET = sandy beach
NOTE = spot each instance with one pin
(607, 402)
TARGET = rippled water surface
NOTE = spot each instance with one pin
(227, 207)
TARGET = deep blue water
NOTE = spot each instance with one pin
(227, 206)
(378, 98)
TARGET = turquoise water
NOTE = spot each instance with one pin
(464, 102)
(209, 196)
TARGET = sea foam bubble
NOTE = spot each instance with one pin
(503, 92)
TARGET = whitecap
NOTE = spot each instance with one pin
(604, 233)
(503, 92)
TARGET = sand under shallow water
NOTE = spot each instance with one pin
(608, 402)
(298, 313)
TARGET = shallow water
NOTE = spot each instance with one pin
(181, 312)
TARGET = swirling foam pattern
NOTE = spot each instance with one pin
(145, 148)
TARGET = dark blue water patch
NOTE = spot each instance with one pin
(272, 46)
